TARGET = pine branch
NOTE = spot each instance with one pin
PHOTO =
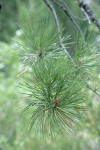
(55, 101)
(58, 25)
(89, 13)
(54, 87)
(70, 15)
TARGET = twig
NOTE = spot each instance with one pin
(68, 12)
(82, 19)
(58, 26)
(89, 13)
(92, 89)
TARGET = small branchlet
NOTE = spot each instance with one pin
(89, 14)
(68, 12)
(92, 89)
(50, 6)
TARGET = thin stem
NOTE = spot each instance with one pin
(68, 12)
(58, 26)
(92, 89)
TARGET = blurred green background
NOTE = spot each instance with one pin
(84, 137)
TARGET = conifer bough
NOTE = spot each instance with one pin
(55, 95)
(55, 91)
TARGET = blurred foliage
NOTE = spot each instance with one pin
(9, 14)
(8, 17)
(12, 137)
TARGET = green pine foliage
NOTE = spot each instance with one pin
(54, 96)
(37, 38)
(55, 101)
(86, 56)
(54, 86)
